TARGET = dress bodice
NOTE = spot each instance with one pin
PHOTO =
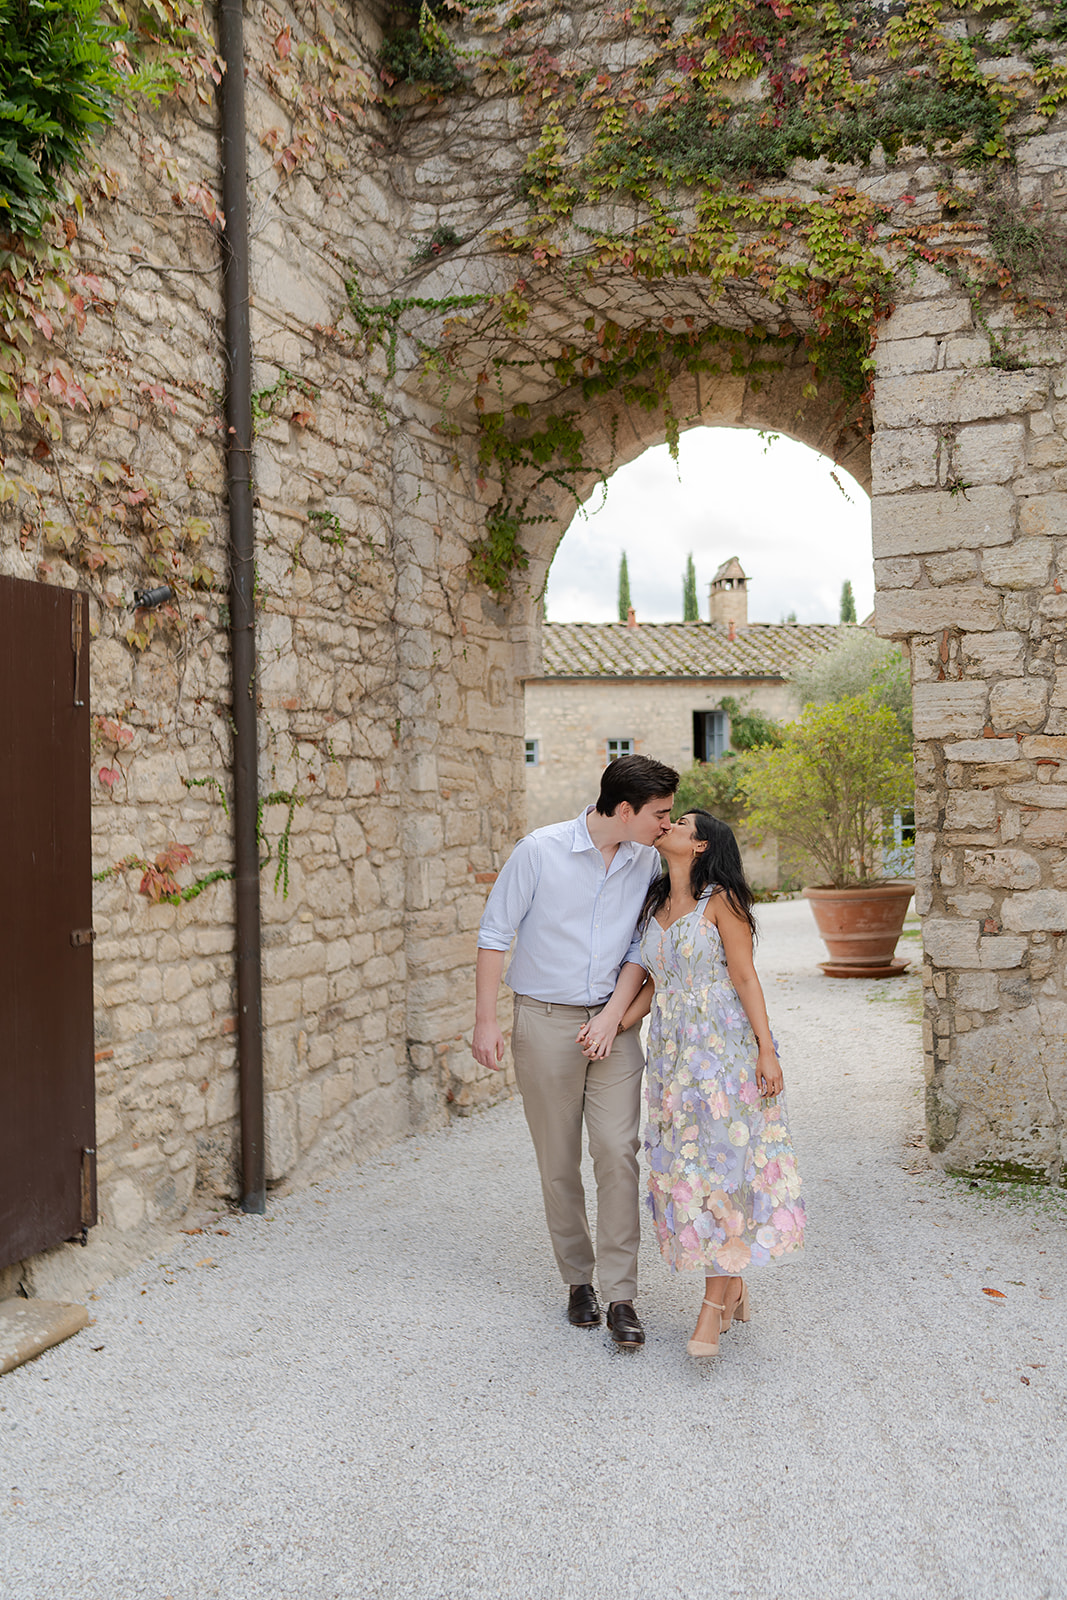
(688, 954)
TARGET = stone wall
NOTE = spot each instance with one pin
(970, 545)
(391, 683)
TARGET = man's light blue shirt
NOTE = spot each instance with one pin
(573, 920)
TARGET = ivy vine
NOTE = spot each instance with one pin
(718, 104)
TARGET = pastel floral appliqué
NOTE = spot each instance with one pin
(723, 1186)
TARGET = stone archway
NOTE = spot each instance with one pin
(968, 527)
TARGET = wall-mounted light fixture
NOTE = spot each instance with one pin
(148, 599)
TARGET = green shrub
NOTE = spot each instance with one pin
(711, 786)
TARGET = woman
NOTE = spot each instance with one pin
(723, 1182)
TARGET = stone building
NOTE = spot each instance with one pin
(398, 304)
(611, 689)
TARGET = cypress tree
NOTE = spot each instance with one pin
(624, 589)
(848, 603)
(690, 606)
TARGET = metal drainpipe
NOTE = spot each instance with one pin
(242, 605)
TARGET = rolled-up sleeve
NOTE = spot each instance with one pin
(510, 897)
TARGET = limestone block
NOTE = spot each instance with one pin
(990, 453)
(925, 398)
(366, 889)
(1043, 152)
(155, 781)
(351, 840)
(972, 808)
(1037, 910)
(328, 893)
(282, 1151)
(982, 750)
(1043, 515)
(1024, 564)
(995, 654)
(122, 1204)
(942, 315)
(1046, 827)
(977, 991)
(422, 773)
(971, 902)
(951, 567)
(1041, 746)
(1048, 452)
(943, 709)
(900, 612)
(998, 1075)
(906, 355)
(949, 942)
(999, 952)
(1018, 703)
(1002, 869)
(1050, 795)
(916, 524)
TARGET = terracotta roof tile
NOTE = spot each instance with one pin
(682, 649)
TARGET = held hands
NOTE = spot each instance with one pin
(769, 1079)
(487, 1046)
(597, 1036)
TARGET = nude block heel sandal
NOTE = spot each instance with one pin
(700, 1347)
(741, 1313)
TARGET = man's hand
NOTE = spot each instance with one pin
(597, 1036)
(487, 1046)
(487, 1041)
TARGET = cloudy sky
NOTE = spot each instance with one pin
(732, 493)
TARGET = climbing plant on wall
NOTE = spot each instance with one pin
(675, 165)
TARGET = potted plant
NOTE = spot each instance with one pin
(826, 790)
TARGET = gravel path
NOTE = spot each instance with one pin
(372, 1391)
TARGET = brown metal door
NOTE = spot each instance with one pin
(47, 1113)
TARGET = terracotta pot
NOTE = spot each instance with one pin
(860, 927)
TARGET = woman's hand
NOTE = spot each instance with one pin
(769, 1079)
(597, 1036)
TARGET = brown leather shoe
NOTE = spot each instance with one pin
(624, 1325)
(582, 1308)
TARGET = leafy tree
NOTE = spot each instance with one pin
(750, 728)
(712, 786)
(860, 661)
(690, 605)
(624, 589)
(848, 602)
(826, 788)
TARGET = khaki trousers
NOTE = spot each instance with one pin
(559, 1086)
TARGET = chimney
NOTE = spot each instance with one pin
(732, 632)
(728, 595)
(631, 618)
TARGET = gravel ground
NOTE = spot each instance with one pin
(372, 1391)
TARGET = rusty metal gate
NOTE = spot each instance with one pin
(47, 1159)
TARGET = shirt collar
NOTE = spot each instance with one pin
(583, 840)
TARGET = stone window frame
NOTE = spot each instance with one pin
(533, 752)
(621, 746)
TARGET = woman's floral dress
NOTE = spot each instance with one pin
(723, 1186)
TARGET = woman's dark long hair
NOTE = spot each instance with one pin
(718, 866)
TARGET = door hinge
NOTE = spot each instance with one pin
(88, 1196)
(83, 936)
(76, 631)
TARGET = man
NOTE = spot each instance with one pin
(570, 895)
